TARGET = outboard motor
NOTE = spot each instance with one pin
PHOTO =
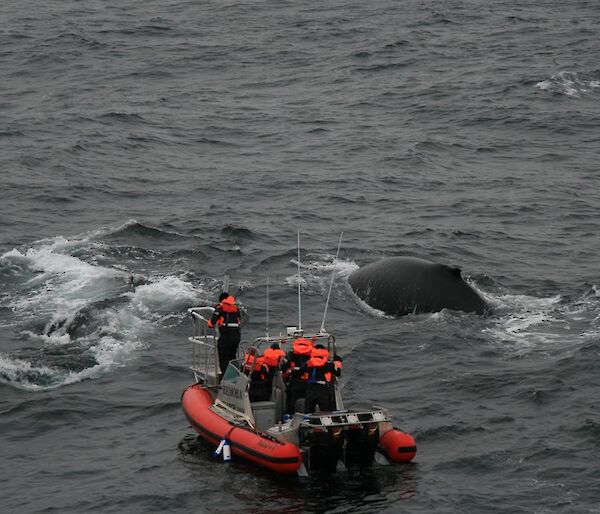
(325, 449)
(361, 444)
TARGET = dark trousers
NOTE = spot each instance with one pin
(227, 347)
(260, 387)
(317, 394)
(296, 389)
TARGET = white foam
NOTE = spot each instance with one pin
(108, 352)
(115, 342)
(17, 373)
(63, 287)
(166, 294)
(326, 263)
(569, 83)
(518, 324)
(293, 280)
(523, 324)
(65, 283)
(55, 338)
(522, 303)
(317, 273)
(365, 306)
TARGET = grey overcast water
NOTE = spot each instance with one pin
(181, 141)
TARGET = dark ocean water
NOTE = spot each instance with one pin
(182, 141)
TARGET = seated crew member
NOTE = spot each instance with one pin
(295, 379)
(320, 373)
(260, 385)
(227, 317)
(272, 358)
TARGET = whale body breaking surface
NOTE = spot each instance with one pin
(405, 285)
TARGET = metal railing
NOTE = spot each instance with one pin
(205, 357)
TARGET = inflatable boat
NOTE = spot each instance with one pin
(227, 412)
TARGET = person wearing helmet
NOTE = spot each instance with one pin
(227, 318)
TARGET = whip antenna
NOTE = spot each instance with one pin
(299, 300)
(226, 283)
(331, 283)
(267, 327)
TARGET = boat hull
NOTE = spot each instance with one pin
(265, 451)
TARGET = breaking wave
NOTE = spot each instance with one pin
(76, 320)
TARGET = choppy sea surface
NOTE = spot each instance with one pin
(178, 142)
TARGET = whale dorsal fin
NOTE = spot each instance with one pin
(453, 270)
(456, 272)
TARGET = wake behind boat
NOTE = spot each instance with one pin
(227, 413)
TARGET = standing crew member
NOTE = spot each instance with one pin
(227, 318)
(296, 380)
(320, 374)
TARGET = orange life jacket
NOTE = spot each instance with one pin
(320, 369)
(301, 350)
(302, 346)
(272, 356)
(255, 367)
(258, 361)
(318, 358)
(229, 314)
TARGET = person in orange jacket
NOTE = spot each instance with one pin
(295, 379)
(227, 318)
(320, 373)
(273, 356)
(258, 371)
(261, 370)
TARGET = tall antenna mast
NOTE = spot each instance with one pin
(299, 301)
(226, 283)
(331, 283)
(267, 327)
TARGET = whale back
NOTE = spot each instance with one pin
(404, 285)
